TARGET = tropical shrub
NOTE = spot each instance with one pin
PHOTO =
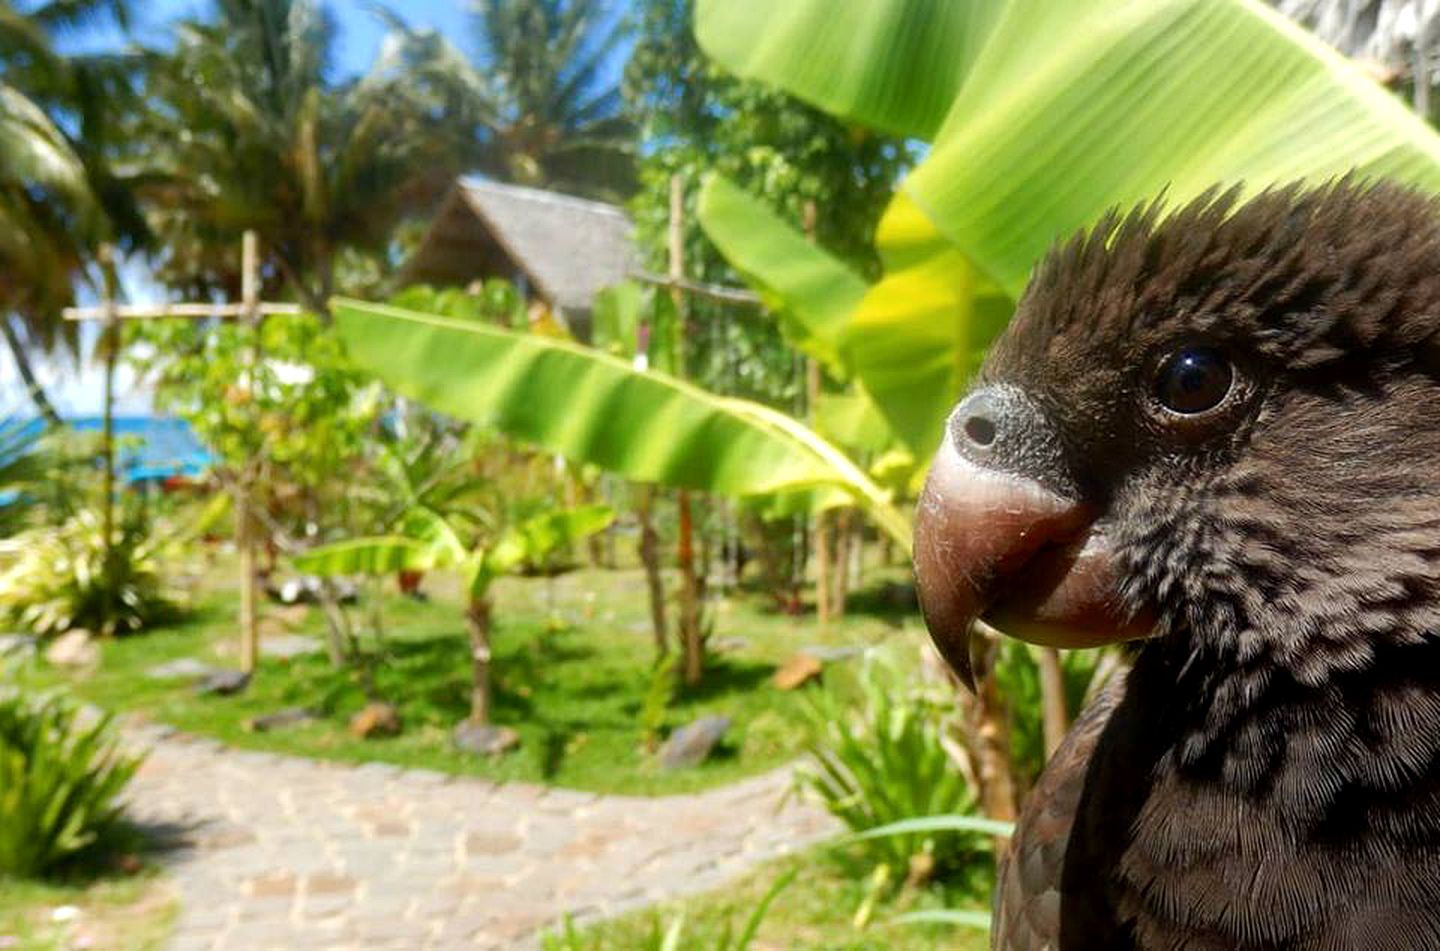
(884, 761)
(60, 579)
(60, 780)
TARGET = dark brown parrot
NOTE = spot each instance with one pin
(1218, 430)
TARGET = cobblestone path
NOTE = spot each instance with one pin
(275, 851)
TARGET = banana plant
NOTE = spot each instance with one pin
(595, 408)
(428, 541)
(1041, 115)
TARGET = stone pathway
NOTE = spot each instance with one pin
(271, 851)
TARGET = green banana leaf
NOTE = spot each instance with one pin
(381, 555)
(532, 540)
(920, 332)
(958, 917)
(1080, 105)
(429, 527)
(942, 823)
(665, 324)
(822, 298)
(616, 317)
(810, 287)
(851, 420)
(895, 65)
(543, 534)
(807, 502)
(1060, 109)
(597, 409)
(450, 301)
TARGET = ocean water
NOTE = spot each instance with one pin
(151, 447)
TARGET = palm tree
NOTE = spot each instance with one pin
(246, 132)
(538, 100)
(60, 197)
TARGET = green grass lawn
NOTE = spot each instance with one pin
(130, 913)
(573, 664)
(816, 910)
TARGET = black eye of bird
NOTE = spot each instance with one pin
(1193, 380)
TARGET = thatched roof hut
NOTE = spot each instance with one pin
(556, 247)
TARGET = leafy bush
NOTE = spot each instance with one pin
(885, 762)
(60, 579)
(495, 301)
(60, 779)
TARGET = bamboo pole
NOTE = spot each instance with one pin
(110, 345)
(244, 522)
(251, 310)
(719, 292)
(1422, 70)
(186, 310)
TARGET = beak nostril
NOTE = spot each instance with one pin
(980, 430)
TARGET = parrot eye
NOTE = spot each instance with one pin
(1194, 380)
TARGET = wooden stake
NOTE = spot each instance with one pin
(821, 531)
(1054, 713)
(998, 795)
(844, 533)
(685, 552)
(654, 579)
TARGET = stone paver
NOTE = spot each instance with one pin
(273, 851)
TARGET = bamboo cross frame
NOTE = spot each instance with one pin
(252, 310)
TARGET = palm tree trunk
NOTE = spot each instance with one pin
(43, 406)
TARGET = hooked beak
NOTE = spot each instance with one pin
(997, 546)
